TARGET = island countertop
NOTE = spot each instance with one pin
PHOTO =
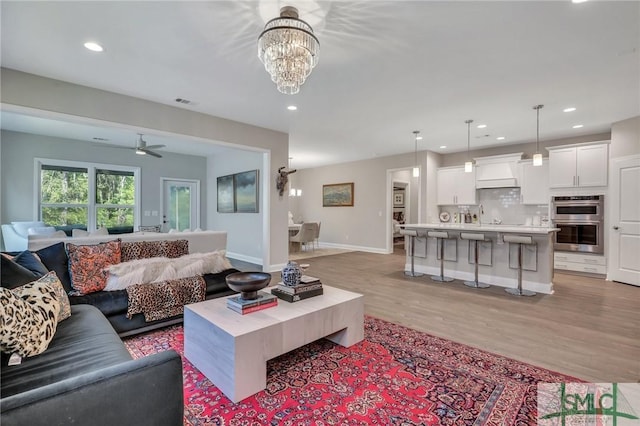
(474, 227)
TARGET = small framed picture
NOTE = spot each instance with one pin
(398, 199)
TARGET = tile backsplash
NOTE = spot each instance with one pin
(502, 204)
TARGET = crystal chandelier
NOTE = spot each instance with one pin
(289, 50)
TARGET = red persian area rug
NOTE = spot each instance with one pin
(395, 376)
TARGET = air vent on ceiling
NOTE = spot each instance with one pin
(183, 101)
(482, 136)
(100, 139)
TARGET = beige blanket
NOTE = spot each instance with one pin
(165, 299)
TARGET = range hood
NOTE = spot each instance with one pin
(498, 171)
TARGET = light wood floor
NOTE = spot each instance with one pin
(589, 328)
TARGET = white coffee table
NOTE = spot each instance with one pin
(232, 349)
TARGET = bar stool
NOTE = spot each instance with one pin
(475, 237)
(440, 237)
(412, 234)
(521, 240)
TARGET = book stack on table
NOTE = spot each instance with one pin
(242, 306)
(308, 287)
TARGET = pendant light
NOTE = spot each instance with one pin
(468, 165)
(416, 168)
(537, 157)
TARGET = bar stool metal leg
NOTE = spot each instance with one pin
(519, 291)
(475, 283)
(441, 278)
(412, 242)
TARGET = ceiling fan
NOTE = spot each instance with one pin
(142, 148)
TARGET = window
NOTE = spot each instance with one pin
(77, 195)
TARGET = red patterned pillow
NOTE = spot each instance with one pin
(88, 265)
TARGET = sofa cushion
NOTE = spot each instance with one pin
(87, 265)
(84, 233)
(54, 257)
(28, 318)
(82, 344)
(109, 302)
(52, 280)
(14, 275)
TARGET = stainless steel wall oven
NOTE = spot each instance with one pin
(581, 222)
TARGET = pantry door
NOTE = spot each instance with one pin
(624, 240)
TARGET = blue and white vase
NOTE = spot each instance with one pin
(291, 274)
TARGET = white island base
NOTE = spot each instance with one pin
(232, 350)
(500, 273)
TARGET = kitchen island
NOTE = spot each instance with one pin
(497, 261)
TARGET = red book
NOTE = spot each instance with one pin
(254, 308)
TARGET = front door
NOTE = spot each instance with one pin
(625, 221)
(181, 204)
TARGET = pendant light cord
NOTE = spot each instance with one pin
(468, 136)
(537, 108)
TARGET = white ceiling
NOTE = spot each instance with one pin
(386, 68)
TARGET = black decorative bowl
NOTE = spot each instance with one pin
(248, 283)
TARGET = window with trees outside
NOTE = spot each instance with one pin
(88, 196)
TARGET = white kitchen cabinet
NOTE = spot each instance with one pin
(456, 187)
(578, 166)
(534, 183)
(579, 262)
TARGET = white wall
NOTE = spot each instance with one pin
(365, 226)
(625, 138)
(57, 99)
(244, 231)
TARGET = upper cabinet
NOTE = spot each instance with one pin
(534, 182)
(456, 187)
(578, 165)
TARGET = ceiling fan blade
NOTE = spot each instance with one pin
(153, 154)
(154, 146)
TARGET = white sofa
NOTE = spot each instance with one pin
(199, 242)
(15, 235)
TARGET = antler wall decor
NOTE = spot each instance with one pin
(283, 179)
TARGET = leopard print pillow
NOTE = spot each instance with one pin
(135, 250)
(28, 321)
(61, 295)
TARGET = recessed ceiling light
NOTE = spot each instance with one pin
(500, 138)
(481, 126)
(93, 46)
(443, 146)
(571, 109)
(292, 107)
(577, 126)
(578, 1)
